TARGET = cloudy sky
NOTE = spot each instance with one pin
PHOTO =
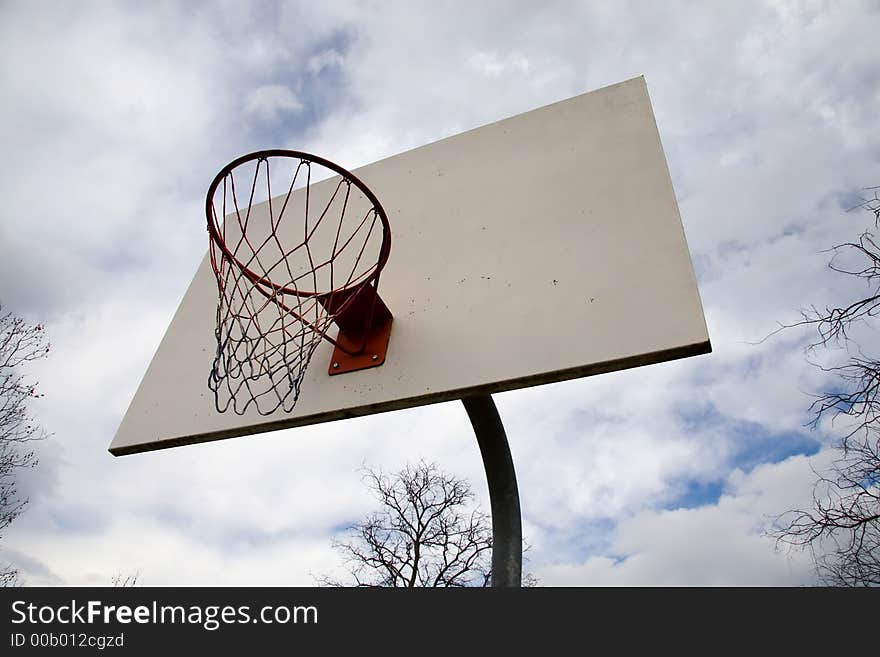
(116, 116)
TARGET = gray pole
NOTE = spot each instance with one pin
(503, 492)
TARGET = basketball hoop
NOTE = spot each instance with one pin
(287, 269)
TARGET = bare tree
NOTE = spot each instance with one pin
(426, 534)
(842, 529)
(121, 581)
(9, 576)
(20, 343)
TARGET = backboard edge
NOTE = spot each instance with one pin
(593, 369)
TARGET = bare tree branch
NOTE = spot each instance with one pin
(842, 528)
(121, 581)
(424, 535)
(20, 344)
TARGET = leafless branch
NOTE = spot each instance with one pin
(121, 581)
(9, 576)
(842, 527)
(20, 344)
(424, 535)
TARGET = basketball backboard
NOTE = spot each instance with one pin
(543, 247)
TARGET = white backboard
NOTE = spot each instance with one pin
(543, 247)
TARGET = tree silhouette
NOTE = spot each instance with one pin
(20, 343)
(426, 533)
(842, 527)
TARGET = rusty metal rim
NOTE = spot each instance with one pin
(214, 230)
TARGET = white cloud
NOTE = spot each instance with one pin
(326, 59)
(721, 544)
(269, 101)
(493, 65)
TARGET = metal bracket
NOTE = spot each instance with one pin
(364, 329)
(373, 354)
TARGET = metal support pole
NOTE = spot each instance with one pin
(503, 492)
